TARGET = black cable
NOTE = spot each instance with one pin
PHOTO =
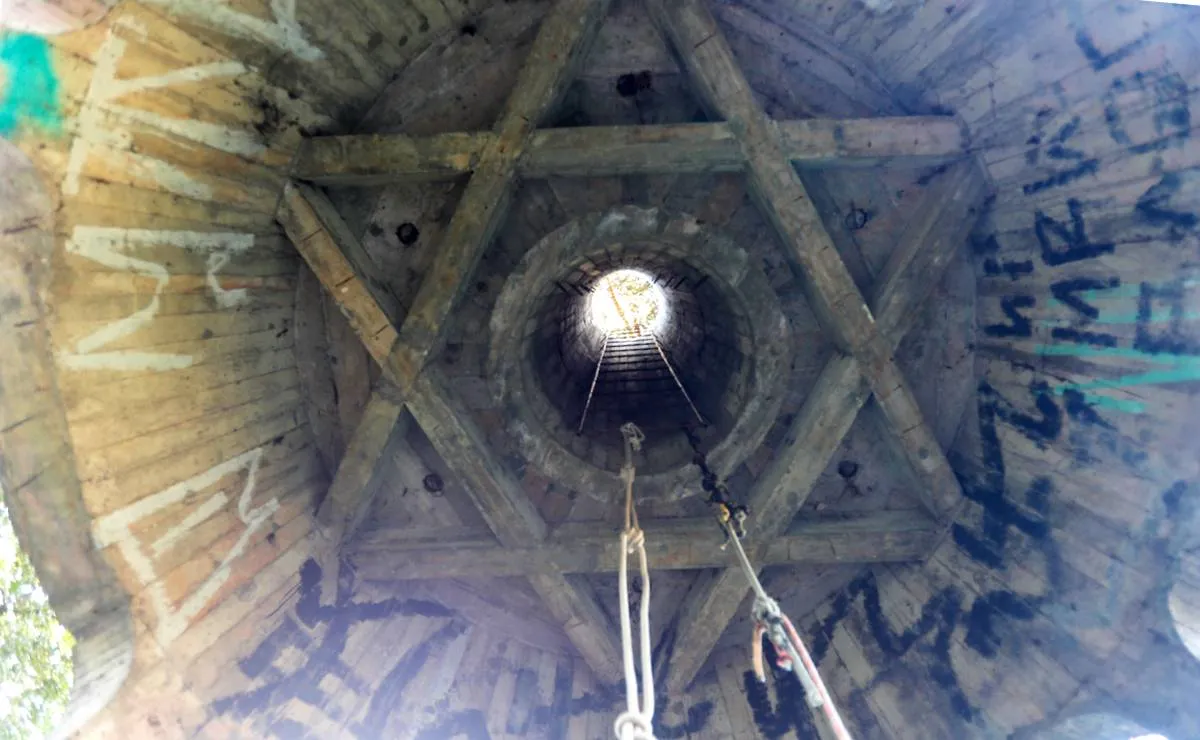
(727, 509)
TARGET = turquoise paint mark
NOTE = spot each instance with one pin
(1133, 290)
(1153, 377)
(29, 96)
(1165, 368)
(1161, 316)
(1079, 350)
(1124, 405)
(1171, 369)
(1156, 317)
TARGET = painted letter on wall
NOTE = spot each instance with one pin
(109, 247)
(117, 528)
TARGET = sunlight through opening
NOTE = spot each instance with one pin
(628, 300)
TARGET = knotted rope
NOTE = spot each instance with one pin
(637, 722)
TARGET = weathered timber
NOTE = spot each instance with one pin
(591, 151)
(504, 505)
(319, 246)
(783, 198)
(563, 39)
(671, 544)
(322, 237)
(354, 486)
(941, 223)
(716, 74)
(350, 246)
(39, 480)
(351, 278)
(841, 309)
(840, 392)
(379, 159)
(513, 519)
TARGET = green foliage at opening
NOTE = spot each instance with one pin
(625, 300)
(35, 650)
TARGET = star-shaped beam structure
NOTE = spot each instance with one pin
(866, 332)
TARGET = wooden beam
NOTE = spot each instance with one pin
(382, 159)
(355, 485)
(781, 195)
(843, 386)
(942, 222)
(320, 235)
(346, 271)
(513, 519)
(715, 73)
(327, 245)
(502, 502)
(563, 39)
(866, 142)
(590, 151)
(671, 544)
(358, 289)
(777, 187)
(939, 226)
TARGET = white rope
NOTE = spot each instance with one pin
(637, 722)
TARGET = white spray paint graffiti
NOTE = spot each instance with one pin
(104, 126)
(117, 529)
(108, 246)
(283, 33)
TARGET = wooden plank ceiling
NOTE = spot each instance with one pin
(866, 330)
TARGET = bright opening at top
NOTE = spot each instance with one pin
(628, 300)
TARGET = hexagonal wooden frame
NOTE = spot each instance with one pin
(748, 141)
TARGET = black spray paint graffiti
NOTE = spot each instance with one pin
(1018, 324)
(551, 720)
(323, 657)
(989, 620)
(1164, 92)
(989, 247)
(1067, 292)
(1053, 150)
(1157, 207)
(988, 489)
(1060, 244)
(1101, 61)
(1075, 245)
(1174, 339)
(985, 618)
(791, 712)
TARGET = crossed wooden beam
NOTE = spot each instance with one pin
(865, 334)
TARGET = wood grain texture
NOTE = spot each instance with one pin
(672, 544)
(513, 519)
(318, 244)
(562, 41)
(39, 482)
(589, 151)
(843, 387)
(354, 488)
